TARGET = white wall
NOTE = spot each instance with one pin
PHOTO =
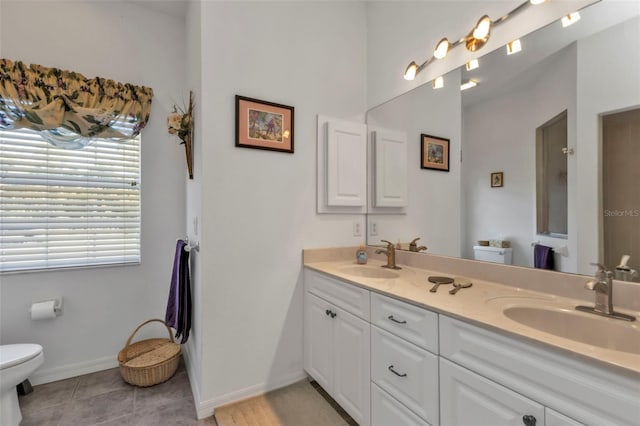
(612, 84)
(102, 306)
(401, 32)
(258, 207)
(499, 134)
(433, 213)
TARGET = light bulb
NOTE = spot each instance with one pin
(472, 64)
(468, 84)
(442, 48)
(535, 2)
(438, 83)
(483, 27)
(514, 47)
(570, 19)
(410, 72)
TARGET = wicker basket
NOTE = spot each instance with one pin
(151, 361)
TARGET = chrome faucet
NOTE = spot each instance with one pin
(390, 251)
(603, 286)
(414, 247)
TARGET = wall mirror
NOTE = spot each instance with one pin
(588, 71)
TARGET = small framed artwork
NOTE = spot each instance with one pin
(435, 153)
(497, 179)
(264, 125)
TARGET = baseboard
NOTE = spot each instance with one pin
(207, 408)
(194, 381)
(48, 375)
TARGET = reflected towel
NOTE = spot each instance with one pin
(543, 257)
(178, 313)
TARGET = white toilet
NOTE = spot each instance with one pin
(493, 254)
(17, 363)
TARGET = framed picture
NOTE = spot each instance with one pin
(496, 179)
(435, 153)
(264, 125)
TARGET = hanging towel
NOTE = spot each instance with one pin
(178, 313)
(543, 257)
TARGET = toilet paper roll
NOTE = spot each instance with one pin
(43, 310)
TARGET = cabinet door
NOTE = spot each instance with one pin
(351, 372)
(318, 338)
(390, 172)
(346, 163)
(467, 399)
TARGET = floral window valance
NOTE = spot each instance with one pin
(68, 106)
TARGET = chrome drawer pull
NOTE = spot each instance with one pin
(395, 320)
(396, 373)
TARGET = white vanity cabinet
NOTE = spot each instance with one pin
(337, 342)
(481, 369)
(403, 371)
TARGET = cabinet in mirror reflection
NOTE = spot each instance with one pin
(590, 70)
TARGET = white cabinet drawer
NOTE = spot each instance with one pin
(553, 418)
(469, 399)
(387, 411)
(406, 372)
(417, 325)
(349, 297)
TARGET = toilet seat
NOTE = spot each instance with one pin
(11, 355)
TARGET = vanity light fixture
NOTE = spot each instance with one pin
(472, 64)
(468, 84)
(514, 47)
(570, 19)
(474, 41)
(438, 82)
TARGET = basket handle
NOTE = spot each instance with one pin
(145, 323)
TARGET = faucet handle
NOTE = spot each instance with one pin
(389, 244)
(601, 267)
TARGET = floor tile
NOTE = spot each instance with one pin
(176, 388)
(49, 416)
(49, 395)
(100, 408)
(99, 383)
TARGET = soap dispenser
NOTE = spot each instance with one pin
(361, 255)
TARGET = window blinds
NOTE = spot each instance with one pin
(68, 208)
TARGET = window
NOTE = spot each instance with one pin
(64, 208)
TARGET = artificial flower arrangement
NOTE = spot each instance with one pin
(180, 123)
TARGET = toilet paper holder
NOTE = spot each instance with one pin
(57, 304)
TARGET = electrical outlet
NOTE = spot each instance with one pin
(356, 229)
(374, 228)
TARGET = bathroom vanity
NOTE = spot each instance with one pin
(392, 353)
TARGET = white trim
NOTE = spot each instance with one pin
(207, 408)
(189, 362)
(42, 376)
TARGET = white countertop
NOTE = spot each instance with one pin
(483, 304)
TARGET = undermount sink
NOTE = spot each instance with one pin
(581, 327)
(368, 271)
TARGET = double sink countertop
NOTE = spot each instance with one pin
(540, 318)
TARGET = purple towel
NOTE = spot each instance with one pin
(173, 303)
(543, 257)
(184, 309)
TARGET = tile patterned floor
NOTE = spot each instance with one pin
(104, 399)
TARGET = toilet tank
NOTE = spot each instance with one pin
(493, 254)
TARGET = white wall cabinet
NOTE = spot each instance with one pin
(337, 345)
(342, 166)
